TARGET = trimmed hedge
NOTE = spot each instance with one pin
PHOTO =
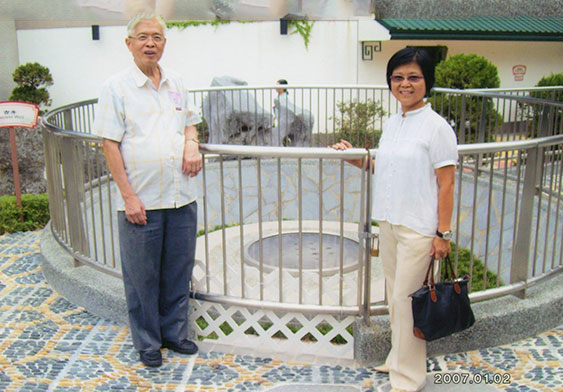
(35, 213)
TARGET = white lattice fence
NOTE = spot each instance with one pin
(267, 332)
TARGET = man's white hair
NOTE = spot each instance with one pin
(147, 15)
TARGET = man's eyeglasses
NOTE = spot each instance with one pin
(156, 38)
(411, 79)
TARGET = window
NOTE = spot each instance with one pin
(438, 53)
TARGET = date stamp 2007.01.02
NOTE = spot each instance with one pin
(472, 378)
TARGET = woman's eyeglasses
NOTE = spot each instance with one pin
(411, 78)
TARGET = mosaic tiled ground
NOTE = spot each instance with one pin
(48, 344)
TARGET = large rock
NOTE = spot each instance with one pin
(31, 162)
(234, 116)
(294, 125)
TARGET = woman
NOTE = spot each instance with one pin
(414, 174)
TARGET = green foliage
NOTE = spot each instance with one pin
(357, 122)
(202, 131)
(534, 112)
(181, 25)
(303, 28)
(32, 80)
(477, 273)
(546, 81)
(35, 213)
(553, 95)
(467, 71)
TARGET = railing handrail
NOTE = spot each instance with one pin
(323, 152)
(518, 89)
(479, 148)
(526, 148)
(283, 152)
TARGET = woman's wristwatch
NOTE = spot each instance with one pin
(446, 235)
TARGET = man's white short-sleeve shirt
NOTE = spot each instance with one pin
(149, 124)
(411, 148)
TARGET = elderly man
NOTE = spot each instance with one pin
(151, 147)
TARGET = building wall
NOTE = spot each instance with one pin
(8, 59)
(540, 59)
(256, 53)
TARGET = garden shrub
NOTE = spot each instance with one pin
(535, 112)
(467, 71)
(35, 213)
(547, 81)
(357, 122)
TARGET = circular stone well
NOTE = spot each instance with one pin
(311, 255)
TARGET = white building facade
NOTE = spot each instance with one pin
(347, 52)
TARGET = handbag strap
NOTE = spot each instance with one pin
(430, 268)
(448, 262)
(430, 272)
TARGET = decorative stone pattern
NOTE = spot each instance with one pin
(48, 344)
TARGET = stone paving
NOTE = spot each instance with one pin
(49, 344)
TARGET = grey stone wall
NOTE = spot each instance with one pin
(466, 8)
(31, 163)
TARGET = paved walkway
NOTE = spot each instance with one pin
(48, 344)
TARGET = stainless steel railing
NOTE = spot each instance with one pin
(507, 214)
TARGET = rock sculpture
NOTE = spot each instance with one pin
(294, 126)
(234, 117)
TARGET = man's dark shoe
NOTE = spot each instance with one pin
(152, 358)
(183, 347)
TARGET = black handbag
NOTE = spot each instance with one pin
(443, 308)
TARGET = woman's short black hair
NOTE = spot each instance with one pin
(413, 55)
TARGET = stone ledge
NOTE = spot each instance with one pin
(498, 321)
(101, 294)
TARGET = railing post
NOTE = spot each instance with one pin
(483, 123)
(67, 120)
(462, 117)
(54, 187)
(368, 239)
(73, 180)
(482, 131)
(545, 121)
(521, 255)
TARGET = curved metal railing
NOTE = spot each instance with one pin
(507, 214)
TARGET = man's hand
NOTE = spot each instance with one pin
(192, 161)
(135, 210)
(134, 207)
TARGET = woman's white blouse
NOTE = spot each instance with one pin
(411, 148)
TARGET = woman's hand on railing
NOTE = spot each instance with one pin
(344, 145)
